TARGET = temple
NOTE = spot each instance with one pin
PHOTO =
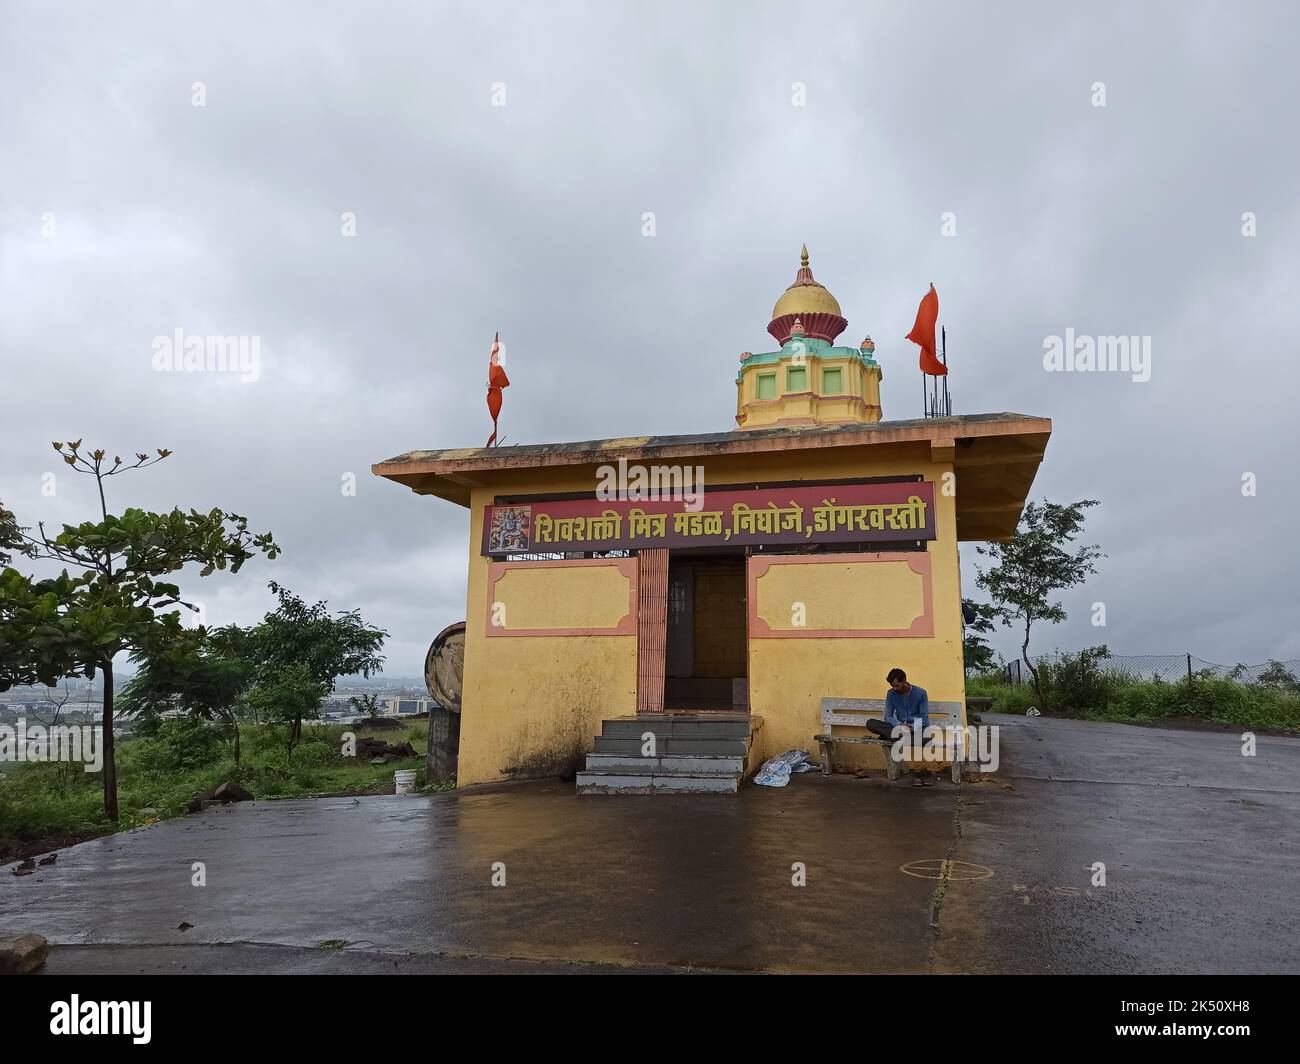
(710, 591)
(808, 380)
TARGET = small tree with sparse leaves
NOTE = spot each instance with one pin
(287, 694)
(1036, 564)
(369, 706)
(74, 625)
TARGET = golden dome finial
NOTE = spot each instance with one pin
(817, 310)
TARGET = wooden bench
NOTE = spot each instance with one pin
(855, 712)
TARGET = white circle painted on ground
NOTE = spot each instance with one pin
(945, 869)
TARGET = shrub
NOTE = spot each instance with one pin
(1007, 697)
(1077, 686)
(181, 744)
(1076, 681)
(38, 800)
(1278, 678)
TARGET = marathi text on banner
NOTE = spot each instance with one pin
(852, 512)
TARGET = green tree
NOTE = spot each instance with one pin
(1034, 565)
(12, 540)
(367, 705)
(201, 672)
(76, 625)
(1279, 678)
(18, 596)
(326, 646)
(978, 621)
(287, 694)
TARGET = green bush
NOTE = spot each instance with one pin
(181, 744)
(1007, 697)
(1076, 686)
(317, 749)
(265, 738)
(1205, 698)
(43, 799)
(1077, 681)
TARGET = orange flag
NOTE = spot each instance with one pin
(927, 314)
(497, 380)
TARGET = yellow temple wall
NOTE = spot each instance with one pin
(858, 399)
(533, 702)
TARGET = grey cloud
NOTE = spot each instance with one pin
(226, 219)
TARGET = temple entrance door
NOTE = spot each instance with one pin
(707, 650)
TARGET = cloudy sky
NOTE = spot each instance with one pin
(193, 167)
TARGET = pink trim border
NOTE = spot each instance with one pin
(629, 567)
(918, 561)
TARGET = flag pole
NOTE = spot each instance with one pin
(934, 390)
(947, 399)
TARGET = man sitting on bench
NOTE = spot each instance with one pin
(906, 706)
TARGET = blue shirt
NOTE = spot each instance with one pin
(904, 709)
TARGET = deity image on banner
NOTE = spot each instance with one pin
(510, 529)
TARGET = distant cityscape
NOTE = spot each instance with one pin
(79, 701)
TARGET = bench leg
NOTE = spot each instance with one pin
(893, 769)
(826, 757)
(956, 771)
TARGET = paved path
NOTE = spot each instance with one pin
(1201, 847)
(1199, 843)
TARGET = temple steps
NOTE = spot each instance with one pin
(690, 755)
(675, 745)
(687, 765)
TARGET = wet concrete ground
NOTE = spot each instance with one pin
(1199, 843)
(1201, 847)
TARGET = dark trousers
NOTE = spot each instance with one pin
(880, 729)
(885, 731)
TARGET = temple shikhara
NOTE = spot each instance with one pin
(821, 384)
(714, 592)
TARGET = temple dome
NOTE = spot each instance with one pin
(810, 302)
(806, 299)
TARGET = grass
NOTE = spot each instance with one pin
(44, 805)
(1117, 698)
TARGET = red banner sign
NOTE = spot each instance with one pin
(818, 513)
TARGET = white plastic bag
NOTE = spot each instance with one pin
(776, 770)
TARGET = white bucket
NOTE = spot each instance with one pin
(404, 778)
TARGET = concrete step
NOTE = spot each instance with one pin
(634, 729)
(609, 782)
(672, 745)
(716, 716)
(693, 755)
(667, 766)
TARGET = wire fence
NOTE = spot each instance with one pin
(1168, 667)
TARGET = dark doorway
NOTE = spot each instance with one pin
(707, 653)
